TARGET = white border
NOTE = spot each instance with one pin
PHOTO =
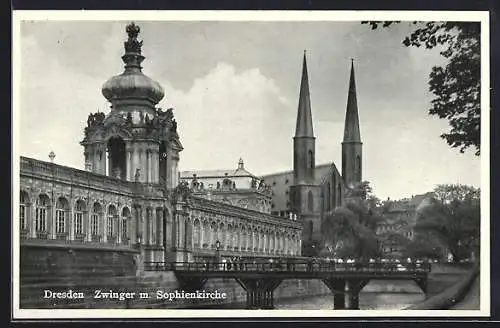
(483, 17)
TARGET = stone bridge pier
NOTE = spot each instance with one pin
(260, 291)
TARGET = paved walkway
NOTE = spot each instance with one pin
(471, 300)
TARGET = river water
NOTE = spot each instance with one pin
(367, 301)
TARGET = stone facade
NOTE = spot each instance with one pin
(129, 195)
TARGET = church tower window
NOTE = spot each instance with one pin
(310, 201)
(327, 196)
(358, 168)
(311, 229)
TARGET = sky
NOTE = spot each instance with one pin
(234, 87)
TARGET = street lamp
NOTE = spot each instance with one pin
(217, 253)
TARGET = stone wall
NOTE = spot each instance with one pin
(80, 269)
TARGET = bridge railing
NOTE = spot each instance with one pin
(287, 267)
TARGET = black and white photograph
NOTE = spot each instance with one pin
(211, 164)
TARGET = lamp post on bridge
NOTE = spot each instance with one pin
(217, 253)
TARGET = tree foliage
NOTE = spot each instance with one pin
(350, 232)
(452, 219)
(456, 85)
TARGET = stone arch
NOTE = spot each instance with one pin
(117, 159)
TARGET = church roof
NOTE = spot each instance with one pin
(281, 181)
(304, 126)
(239, 172)
(351, 129)
(217, 173)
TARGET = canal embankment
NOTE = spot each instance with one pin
(442, 297)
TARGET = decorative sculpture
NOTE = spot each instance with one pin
(173, 129)
(128, 120)
(182, 191)
(132, 44)
(137, 175)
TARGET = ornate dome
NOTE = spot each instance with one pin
(132, 83)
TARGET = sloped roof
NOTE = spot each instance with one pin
(240, 172)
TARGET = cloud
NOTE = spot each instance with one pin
(229, 114)
(239, 98)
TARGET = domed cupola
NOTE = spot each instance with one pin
(132, 89)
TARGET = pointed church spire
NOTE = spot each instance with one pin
(304, 118)
(351, 130)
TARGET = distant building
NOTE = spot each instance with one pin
(397, 226)
(236, 187)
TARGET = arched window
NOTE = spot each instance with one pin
(310, 159)
(124, 224)
(206, 235)
(310, 201)
(94, 222)
(327, 196)
(237, 240)
(358, 168)
(23, 199)
(78, 223)
(61, 210)
(229, 241)
(110, 233)
(220, 236)
(311, 229)
(213, 234)
(196, 233)
(339, 195)
(42, 204)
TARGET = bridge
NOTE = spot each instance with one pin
(260, 278)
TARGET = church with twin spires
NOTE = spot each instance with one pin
(309, 191)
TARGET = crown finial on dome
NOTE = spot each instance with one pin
(132, 87)
(133, 48)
